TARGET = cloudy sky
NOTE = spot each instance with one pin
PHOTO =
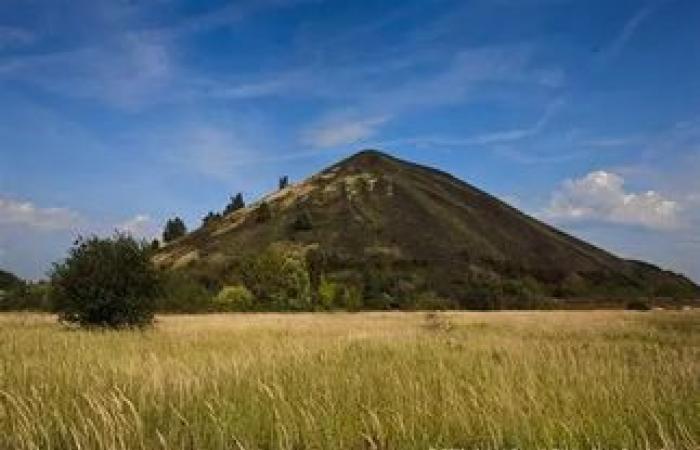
(120, 114)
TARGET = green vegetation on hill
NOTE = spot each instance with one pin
(384, 233)
(369, 233)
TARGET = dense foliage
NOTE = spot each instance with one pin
(235, 204)
(106, 282)
(278, 280)
(174, 228)
(17, 294)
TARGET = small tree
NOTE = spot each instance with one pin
(235, 204)
(174, 228)
(284, 182)
(210, 217)
(106, 282)
(278, 280)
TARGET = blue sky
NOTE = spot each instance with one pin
(120, 114)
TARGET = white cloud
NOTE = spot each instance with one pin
(126, 71)
(140, 226)
(600, 196)
(14, 212)
(627, 32)
(496, 137)
(212, 151)
(343, 131)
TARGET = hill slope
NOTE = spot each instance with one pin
(425, 230)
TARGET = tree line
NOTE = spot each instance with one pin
(175, 228)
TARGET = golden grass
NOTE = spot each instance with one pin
(575, 380)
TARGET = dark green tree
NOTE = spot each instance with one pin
(210, 217)
(174, 228)
(235, 204)
(284, 182)
(106, 282)
(278, 280)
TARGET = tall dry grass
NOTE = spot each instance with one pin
(575, 380)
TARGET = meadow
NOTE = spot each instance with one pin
(505, 380)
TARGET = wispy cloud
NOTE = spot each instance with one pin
(125, 72)
(496, 137)
(600, 196)
(27, 214)
(335, 132)
(210, 150)
(455, 82)
(627, 32)
(140, 226)
(611, 142)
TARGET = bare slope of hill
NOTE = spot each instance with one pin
(426, 229)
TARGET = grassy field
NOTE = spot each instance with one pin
(355, 381)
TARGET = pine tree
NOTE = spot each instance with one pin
(174, 228)
(210, 217)
(235, 204)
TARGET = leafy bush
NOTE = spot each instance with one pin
(106, 282)
(278, 280)
(234, 298)
(328, 294)
(303, 221)
(350, 298)
(182, 293)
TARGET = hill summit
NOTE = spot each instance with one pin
(396, 229)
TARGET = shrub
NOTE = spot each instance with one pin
(278, 280)
(638, 305)
(328, 294)
(182, 293)
(303, 221)
(234, 298)
(106, 282)
(350, 298)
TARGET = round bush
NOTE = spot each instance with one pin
(106, 282)
(234, 298)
